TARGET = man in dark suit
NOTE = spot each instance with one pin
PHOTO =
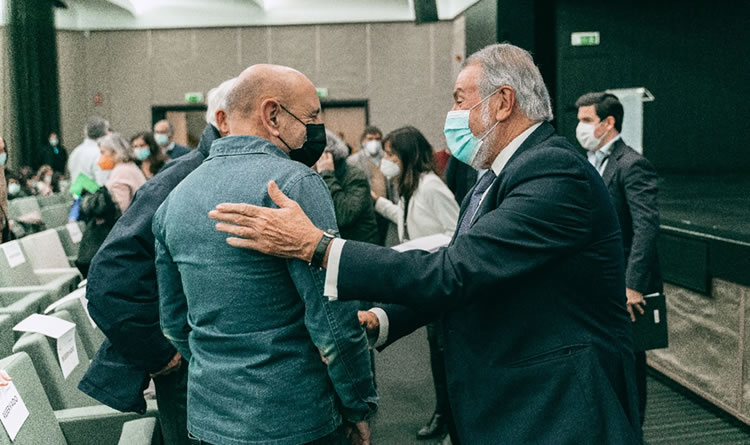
(164, 134)
(531, 290)
(633, 186)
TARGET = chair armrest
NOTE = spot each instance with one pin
(96, 425)
(140, 432)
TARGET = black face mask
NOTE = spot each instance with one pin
(315, 143)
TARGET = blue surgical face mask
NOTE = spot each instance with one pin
(3, 158)
(462, 143)
(161, 139)
(141, 153)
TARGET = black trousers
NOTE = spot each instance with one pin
(436, 340)
(640, 382)
(171, 395)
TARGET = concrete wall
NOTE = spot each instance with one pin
(6, 120)
(404, 70)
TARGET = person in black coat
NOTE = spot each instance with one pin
(52, 153)
(124, 300)
(633, 186)
(531, 290)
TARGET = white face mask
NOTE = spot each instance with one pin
(389, 168)
(373, 147)
(161, 139)
(585, 136)
(14, 188)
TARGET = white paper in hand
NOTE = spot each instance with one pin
(430, 243)
(13, 412)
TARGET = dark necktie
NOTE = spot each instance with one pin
(476, 196)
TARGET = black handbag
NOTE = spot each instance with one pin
(100, 213)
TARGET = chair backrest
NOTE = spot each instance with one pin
(21, 206)
(56, 198)
(63, 392)
(66, 234)
(21, 274)
(19, 304)
(41, 426)
(55, 215)
(44, 250)
(6, 335)
(91, 336)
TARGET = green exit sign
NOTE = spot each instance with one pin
(194, 98)
(590, 38)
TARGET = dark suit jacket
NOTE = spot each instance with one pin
(177, 151)
(123, 297)
(633, 186)
(538, 340)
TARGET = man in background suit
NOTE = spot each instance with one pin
(164, 135)
(531, 289)
(633, 186)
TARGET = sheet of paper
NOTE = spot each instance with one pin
(13, 412)
(76, 294)
(67, 353)
(44, 324)
(13, 253)
(429, 243)
(75, 232)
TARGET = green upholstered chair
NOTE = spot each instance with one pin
(23, 276)
(55, 215)
(44, 250)
(6, 335)
(97, 425)
(56, 198)
(22, 302)
(62, 392)
(19, 207)
(91, 336)
(70, 245)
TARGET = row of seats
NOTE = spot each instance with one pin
(36, 277)
(52, 210)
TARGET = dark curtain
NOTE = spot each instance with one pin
(33, 56)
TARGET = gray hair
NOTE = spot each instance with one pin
(119, 145)
(506, 64)
(217, 100)
(96, 127)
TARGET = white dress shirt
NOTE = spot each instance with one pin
(330, 289)
(605, 151)
(83, 159)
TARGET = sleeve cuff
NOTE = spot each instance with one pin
(330, 289)
(383, 321)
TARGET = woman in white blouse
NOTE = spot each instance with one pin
(426, 207)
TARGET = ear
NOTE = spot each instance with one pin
(504, 102)
(222, 123)
(269, 116)
(610, 122)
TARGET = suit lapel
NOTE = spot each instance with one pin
(541, 134)
(614, 158)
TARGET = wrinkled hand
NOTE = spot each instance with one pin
(370, 322)
(359, 433)
(635, 300)
(325, 163)
(4, 378)
(284, 232)
(170, 367)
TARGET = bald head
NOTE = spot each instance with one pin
(273, 102)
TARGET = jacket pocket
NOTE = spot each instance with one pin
(551, 355)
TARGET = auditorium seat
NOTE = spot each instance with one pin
(6, 335)
(56, 198)
(20, 207)
(62, 392)
(44, 250)
(20, 303)
(73, 303)
(55, 215)
(23, 277)
(78, 426)
(69, 243)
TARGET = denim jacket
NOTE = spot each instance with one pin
(254, 326)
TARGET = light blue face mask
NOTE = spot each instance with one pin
(3, 158)
(142, 153)
(462, 143)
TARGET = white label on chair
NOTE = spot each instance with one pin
(13, 253)
(75, 232)
(13, 412)
(67, 352)
(656, 316)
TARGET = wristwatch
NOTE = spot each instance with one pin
(320, 249)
